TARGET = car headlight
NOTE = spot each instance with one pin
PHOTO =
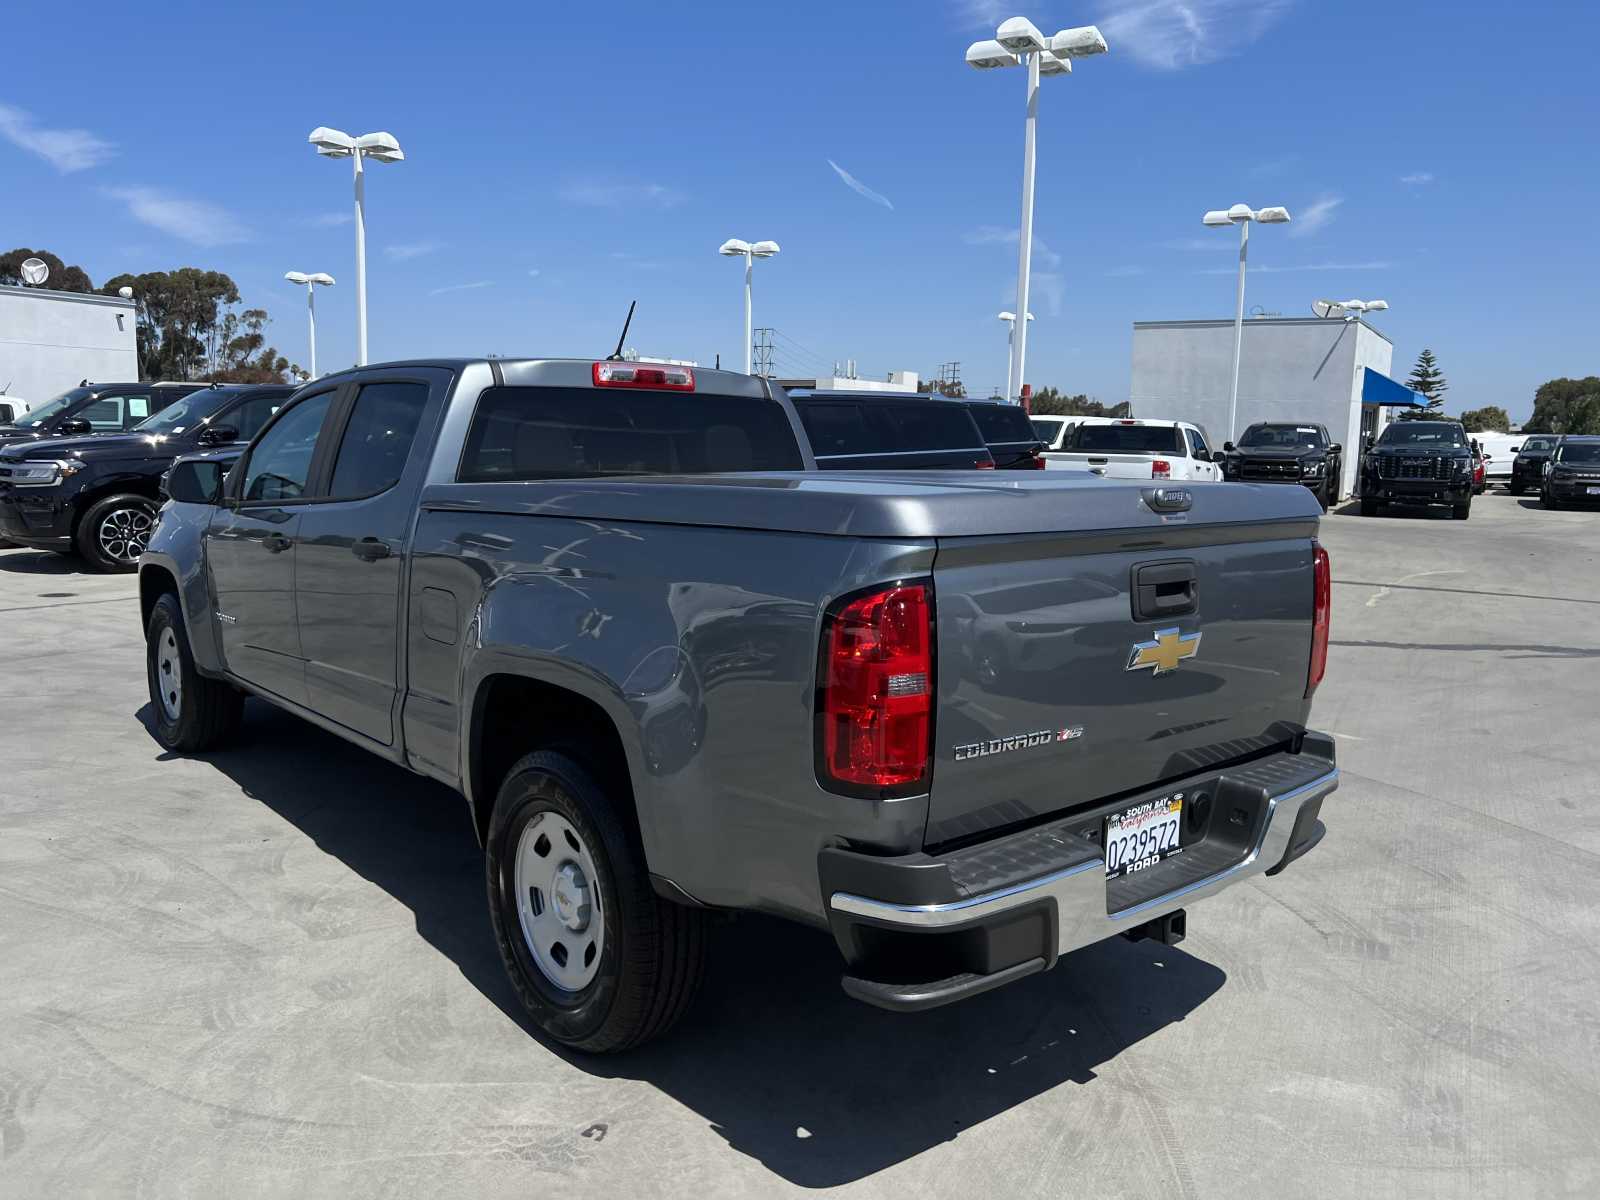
(42, 472)
(1312, 468)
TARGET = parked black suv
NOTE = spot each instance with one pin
(1012, 440)
(1418, 462)
(95, 408)
(1287, 452)
(1573, 476)
(98, 495)
(888, 431)
(1527, 469)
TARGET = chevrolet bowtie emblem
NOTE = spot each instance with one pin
(1165, 652)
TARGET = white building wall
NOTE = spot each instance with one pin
(1290, 369)
(49, 341)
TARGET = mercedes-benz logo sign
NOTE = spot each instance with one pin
(34, 271)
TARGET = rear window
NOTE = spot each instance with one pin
(1126, 439)
(566, 433)
(1002, 423)
(838, 428)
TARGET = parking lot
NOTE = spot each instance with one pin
(271, 972)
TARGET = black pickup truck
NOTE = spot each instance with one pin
(97, 496)
(1419, 463)
(966, 721)
(1287, 452)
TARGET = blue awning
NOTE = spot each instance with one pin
(1379, 389)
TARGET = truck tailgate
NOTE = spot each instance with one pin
(1053, 696)
(1112, 466)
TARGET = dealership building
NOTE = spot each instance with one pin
(50, 341)
(1300, 369)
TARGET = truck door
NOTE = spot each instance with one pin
(1203, 464)
(251, 547)
(350, 560)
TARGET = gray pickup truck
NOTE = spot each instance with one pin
(966, 722)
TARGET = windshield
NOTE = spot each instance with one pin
(1538, 445)
(1286, 436)
(1579, 452)
(1423, 433)
(182, 414)
(54, 408)
(1126, 439)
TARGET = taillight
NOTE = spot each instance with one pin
(1036, 461)
(636, 375)
(1160, 469)
(984, 464)
(875, 690)
(1321, 613)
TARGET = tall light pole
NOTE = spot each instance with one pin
(1010, 318)
(1350, 310)
(1018, 41)
(311, 282)
(749, 251)
(1241, 215)
(379, 147)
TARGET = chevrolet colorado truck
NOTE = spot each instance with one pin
(966, 721)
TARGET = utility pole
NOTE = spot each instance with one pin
(763, 351)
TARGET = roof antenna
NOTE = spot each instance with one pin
(616, 355)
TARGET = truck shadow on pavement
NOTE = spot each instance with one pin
(40, 562)
(820, 1089)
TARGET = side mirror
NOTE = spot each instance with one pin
(1514, 449)
(1227, 447)
(1202, 455)
(1336, 448)
(195, 481)
(1371, 442)
(74, 427)
(218, 435)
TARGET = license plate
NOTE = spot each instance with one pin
(1594, 491)
(1139, 837)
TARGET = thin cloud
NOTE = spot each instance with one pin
(1325, 266)
(534, 272)
(859, 188)
(190, 220)
(462, 287)
(405, 251)
(1417, 177)
(1172, 34)
(597, 194)
(329, 220)
(1315, 217)
(1047, 291)
(999, 235)
(66, 150)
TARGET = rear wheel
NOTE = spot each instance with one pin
(188, 711)
(600, 962)
(115, 531)
(1369, 508)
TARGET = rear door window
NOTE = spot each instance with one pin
(1125, 439)
(1197, 443)
(1003, 423)
(840, 429)
(108, 414)
(565, 433)
(933, 425)
(249, 417)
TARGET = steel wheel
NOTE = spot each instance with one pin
(124, 533)
(169, 674)
(558, 902)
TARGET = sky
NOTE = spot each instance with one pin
(563, 162)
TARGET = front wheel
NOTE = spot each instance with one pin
(190, 712)
(1545, 501)
(1462, 511)
(114, 532)
(1369, 508)
(1514, 488)
(599, 961)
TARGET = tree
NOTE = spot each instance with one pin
(954, 389)
(187, 329)
(1429, 380)
(1566, 406)
(62, 278)
(1048, 402)
(1489, 419)
(240, 354)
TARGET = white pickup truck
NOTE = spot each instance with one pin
(1126, 448)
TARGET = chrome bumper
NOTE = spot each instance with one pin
(1080, 891)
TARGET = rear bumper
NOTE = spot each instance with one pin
(921, 931)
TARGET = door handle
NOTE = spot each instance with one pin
(275, 543)
(370, 549)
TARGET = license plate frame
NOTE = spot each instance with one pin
(1593, 491)
(1160, 820)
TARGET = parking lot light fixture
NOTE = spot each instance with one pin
(311, 282)
(1018, 41)
(749, 251)
(379, 147)
(1241, 215)
(1010, 318)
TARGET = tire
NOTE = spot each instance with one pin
(1514, 488)
(1462, 511)
(190, 712)
(1546, 502)
(648, 953)
(1322, 494)
(1369, 508)
(113, 533)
